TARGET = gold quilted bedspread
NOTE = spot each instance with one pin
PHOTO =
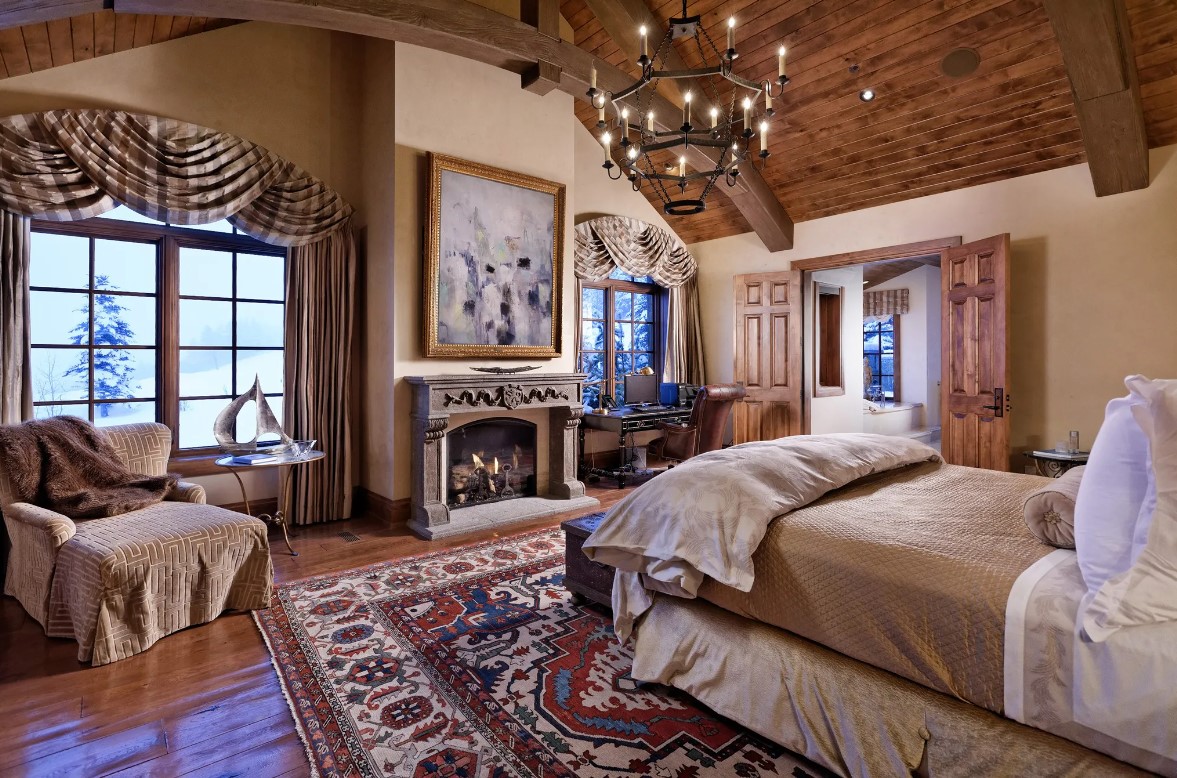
(908, 571)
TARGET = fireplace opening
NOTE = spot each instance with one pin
(490, 460)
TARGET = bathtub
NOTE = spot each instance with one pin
(892, 418)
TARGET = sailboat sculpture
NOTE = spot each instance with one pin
(266, 423)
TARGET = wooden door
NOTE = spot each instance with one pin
(768, 355)
(975, 371)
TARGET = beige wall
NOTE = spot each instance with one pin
(289, 89)
(1093, 283)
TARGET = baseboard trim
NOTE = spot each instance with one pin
(393, 513)
(267, 505)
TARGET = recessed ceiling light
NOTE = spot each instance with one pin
(866, 95)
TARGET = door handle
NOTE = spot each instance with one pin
(998, 406)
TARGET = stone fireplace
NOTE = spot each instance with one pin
(490, 460)
(463, 423)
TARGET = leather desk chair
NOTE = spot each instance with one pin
(704, 431)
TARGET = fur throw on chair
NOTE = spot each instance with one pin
(66, 465)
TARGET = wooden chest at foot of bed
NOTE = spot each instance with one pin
(582, 577)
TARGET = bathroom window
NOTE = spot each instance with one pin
(880, 351)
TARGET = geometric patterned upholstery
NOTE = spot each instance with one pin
(119, 584)
(126, 581)
(144, 448)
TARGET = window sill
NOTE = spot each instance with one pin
(191, 465)
(829, 391)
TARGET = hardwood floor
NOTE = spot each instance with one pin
(202, 702)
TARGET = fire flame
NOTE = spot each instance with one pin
(477, 461)
(496, 465)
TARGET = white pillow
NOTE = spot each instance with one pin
(1111, 493)
(1146, 593)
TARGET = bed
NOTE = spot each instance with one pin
(865, 604)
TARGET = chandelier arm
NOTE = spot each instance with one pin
(688, 73)
(741, 81)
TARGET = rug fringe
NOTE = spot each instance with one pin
(298, 728)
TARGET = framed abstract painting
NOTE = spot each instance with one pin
(492, 264)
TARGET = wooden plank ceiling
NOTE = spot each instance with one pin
(44, 45)
(926, 132)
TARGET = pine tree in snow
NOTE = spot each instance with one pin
(114, 368)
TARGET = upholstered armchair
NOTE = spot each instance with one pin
(704, 431)
(60, 569)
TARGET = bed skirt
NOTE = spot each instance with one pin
(847, 716)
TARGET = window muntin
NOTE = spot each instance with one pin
(184, 319)
(626, 308)
(880, 349)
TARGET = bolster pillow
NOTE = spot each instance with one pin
(1050, 511)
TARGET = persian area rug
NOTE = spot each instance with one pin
(475, 662)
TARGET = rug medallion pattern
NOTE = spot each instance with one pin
(475, 662)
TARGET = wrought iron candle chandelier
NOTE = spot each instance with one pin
(738, 109)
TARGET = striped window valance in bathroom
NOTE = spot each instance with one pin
(885, 303)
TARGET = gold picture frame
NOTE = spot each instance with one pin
(475, 211)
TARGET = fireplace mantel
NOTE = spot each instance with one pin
(437, 398)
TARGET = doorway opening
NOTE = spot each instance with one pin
(875, 364)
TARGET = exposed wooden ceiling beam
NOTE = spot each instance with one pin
(622, 19)
(544, 16)
(468, 30)
(1097, 49)
(15, 13)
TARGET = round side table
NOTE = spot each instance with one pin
(284, 463)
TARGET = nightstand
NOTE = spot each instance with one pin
(1053, 464)
(584, 578)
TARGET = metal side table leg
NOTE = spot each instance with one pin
(278, 517)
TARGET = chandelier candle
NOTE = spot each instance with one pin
(747, 116)
(731, 34)
(650, 122)
(714, 117)
(606, 140)
(625, 121)
(686, 111)
(763, 137)
(642, 32)
(593, 77)
(780, 62)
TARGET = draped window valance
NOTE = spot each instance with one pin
(75, 164)
(889, 302)
(636, 247)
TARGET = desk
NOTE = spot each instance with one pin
(279, 517)
(622, 422)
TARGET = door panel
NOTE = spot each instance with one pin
(975, 372)
(768, 355)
